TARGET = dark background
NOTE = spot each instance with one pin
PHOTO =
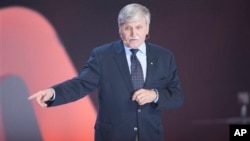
(210, 40)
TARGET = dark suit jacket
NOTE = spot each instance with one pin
(118, 116)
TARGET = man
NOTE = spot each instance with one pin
(132, 93)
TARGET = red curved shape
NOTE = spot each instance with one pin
(30, 48)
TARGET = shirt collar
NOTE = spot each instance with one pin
(142, 49)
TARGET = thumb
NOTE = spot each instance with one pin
(47, 96)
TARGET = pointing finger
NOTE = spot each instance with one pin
(37, 94)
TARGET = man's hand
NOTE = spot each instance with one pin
(42, 96)
(143, 96)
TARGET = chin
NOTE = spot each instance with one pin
(133, 46)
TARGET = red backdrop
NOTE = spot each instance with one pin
(31, 50)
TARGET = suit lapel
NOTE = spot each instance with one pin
(151, 66)
(121, 61)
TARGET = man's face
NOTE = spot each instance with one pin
(134, 33)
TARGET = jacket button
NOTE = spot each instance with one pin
(135, 128)
(139, 110)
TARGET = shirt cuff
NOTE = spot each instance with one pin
(157, 96)
(54, 95)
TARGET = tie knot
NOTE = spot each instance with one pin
(134, 51)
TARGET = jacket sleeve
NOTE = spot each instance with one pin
(86, 82)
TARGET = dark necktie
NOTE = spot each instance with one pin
(136, 71)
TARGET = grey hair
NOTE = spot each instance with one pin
(133, 12)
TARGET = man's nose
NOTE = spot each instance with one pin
(133, 32)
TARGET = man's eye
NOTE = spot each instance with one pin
(127, 28)
(139, 27)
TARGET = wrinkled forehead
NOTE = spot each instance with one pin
(135, 22)
(136, 19)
